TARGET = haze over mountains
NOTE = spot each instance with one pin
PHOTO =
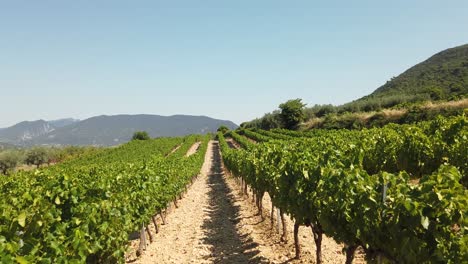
(106, 130)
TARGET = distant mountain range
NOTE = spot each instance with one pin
(63, 122)
(106, 130)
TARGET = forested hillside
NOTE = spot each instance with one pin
(443, 76)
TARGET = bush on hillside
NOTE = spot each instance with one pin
(140, 135)
(9, 160)
(37, 156)
(292, 113)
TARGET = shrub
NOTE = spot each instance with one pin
(140, 135)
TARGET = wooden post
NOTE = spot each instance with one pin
(278, 217)
(245, 189)
(272, 215)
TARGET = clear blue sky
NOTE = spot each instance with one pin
(231, 60)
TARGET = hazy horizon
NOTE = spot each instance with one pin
(118, 114)
(226, 60)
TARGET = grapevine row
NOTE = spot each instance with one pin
(388, 190)
(84, 210)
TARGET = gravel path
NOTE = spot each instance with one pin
(193, 149)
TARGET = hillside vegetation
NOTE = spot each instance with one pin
(443, 76)
(437, 86)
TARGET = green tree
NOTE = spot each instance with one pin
(9, 160)
(140, 135)
(271, 120)
(292, 113)
(37, 156)
(436, 93)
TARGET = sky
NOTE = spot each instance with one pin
(231, 60)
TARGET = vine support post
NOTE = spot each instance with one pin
(384, 197)
(272, 215)
(245, 189)
(278, 220)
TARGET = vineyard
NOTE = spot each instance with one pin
(397, 192)
(83, 210)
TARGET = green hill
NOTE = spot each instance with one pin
(436, 86)
(443, 76)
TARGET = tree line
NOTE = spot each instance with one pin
(38, 156)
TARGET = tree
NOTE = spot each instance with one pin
(292, 113)
(436, 93)
(9, 160)
(54, 155)
(140, 135)
(37, 156)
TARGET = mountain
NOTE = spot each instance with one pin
(444, 76)
(112, 130)
(25, 131)
(63, 122)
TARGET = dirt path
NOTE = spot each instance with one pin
(251, 140)
(232, 143)
(215, 223)
(203, 228)
(174, 150)
(181, 239)
(193, 149)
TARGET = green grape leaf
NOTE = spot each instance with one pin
(21, 260)
(425, 222)
(57, 200)
(22, 219)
